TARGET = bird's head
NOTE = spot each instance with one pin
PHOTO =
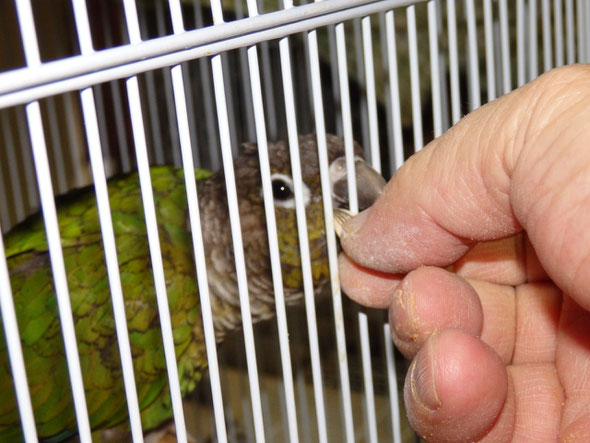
(369, 184)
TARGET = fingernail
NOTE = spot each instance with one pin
(352, 225)
(422, 378)
(405, 321)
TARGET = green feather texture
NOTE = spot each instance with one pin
(81, 239)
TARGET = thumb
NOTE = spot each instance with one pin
(519, 162)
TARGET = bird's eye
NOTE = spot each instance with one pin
(281, 190)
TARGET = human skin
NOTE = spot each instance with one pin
(479, 249)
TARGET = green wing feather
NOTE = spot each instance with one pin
(37, 315)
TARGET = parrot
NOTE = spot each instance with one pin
(36, 305)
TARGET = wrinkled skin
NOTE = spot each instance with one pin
(487, 231)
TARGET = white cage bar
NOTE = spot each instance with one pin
(39, 149)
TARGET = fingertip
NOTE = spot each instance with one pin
(365, 286)
(456, 388)
(366, 239)
(428, 300)
(395, 235)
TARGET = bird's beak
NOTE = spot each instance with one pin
(369, 182)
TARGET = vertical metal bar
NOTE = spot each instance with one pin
(58, 267)
(392, 383)
(414, 78)
(360, 72)
(390, 168)
(475, 92)
(368, 377)
(453, 62)
(587, 30)
(533, 43)
(105, 217)
(569, 30)
(506, 62)
(489, 38)
(558, 28)
(232, 198)
(237, 241)
(353, 205)
(520, 40)
(371, 94)
(547, 48)
(229, 100)
(152, 229)
(196, 231)
(275, 259)
(376, 163)
(330, 233)
(308, 288)
(398, 154)
(111, 260)
(15, 352)
(307, 122)
(33, 111)
(334, 73)
(434, 67)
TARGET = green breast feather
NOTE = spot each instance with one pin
(39, 325)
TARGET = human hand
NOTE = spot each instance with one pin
(501, 336)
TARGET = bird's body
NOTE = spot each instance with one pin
(88, 285)
(36, 306)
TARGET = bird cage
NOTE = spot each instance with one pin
(94, 91)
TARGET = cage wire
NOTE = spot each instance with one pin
(91, 90)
